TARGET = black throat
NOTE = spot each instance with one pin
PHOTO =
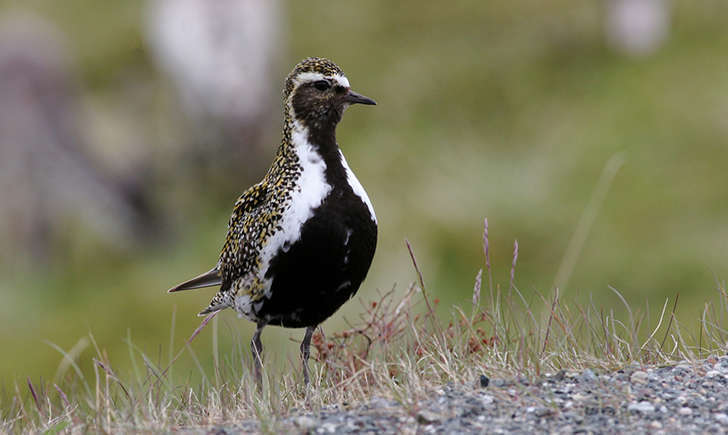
(322, 136)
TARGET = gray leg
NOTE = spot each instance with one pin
(256, 347)
(305, 351)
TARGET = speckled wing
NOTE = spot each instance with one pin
(240, 252)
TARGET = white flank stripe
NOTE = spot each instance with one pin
(310, 191)
(357, 187)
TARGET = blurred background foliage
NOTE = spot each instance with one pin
(498, 109)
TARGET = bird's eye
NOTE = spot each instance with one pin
(322, 85)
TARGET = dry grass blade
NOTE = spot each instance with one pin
(548, 325)
(204, 323)
(486, 250)
(69, 359)
(583, 227)
(111, 374)
(189, 341)
(35, 397)
(422, 285)
(476, 290)
(513, 264)
(659, 323)
(669, 323)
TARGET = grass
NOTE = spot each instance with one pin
(400, 348)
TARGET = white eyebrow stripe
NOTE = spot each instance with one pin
(343, 81)
(309, 76)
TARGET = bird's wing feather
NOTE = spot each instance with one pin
(247, 202)
(242, 210)
(207, 279)
(250, 200)
(230, 258)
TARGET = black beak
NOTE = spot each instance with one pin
(352, 97)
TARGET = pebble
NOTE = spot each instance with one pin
(643, 407)
(328, 428)
(484, 381)
(427, 417)
(304, 423)
(685, 411)
(721, 418)
(639, 377)
(587, 376)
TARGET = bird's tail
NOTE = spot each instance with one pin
(207, 279)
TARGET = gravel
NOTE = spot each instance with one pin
(681, 398)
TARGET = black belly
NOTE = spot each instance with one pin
(315, 275)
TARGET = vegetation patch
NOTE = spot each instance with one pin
(399, 349)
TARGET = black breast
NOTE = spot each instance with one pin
(325, 267)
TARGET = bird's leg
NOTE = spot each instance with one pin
(305, 352)
(256, 347)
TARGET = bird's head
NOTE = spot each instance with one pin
(317, 92)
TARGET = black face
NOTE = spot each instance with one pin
(320, 104)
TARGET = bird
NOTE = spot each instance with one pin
(300, 242)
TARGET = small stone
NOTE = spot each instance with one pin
(656, 425)
(305, 423)
(713, 374)
(722, 418)
(587, 376)
(684, 367)
(328, 428)
(609, 410)
(427, 417)
(681, 400)
(685, 411)
(542, 412)
(638, 377)
(644, 407)
(484, 381)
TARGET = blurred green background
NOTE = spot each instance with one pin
(499, 109)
